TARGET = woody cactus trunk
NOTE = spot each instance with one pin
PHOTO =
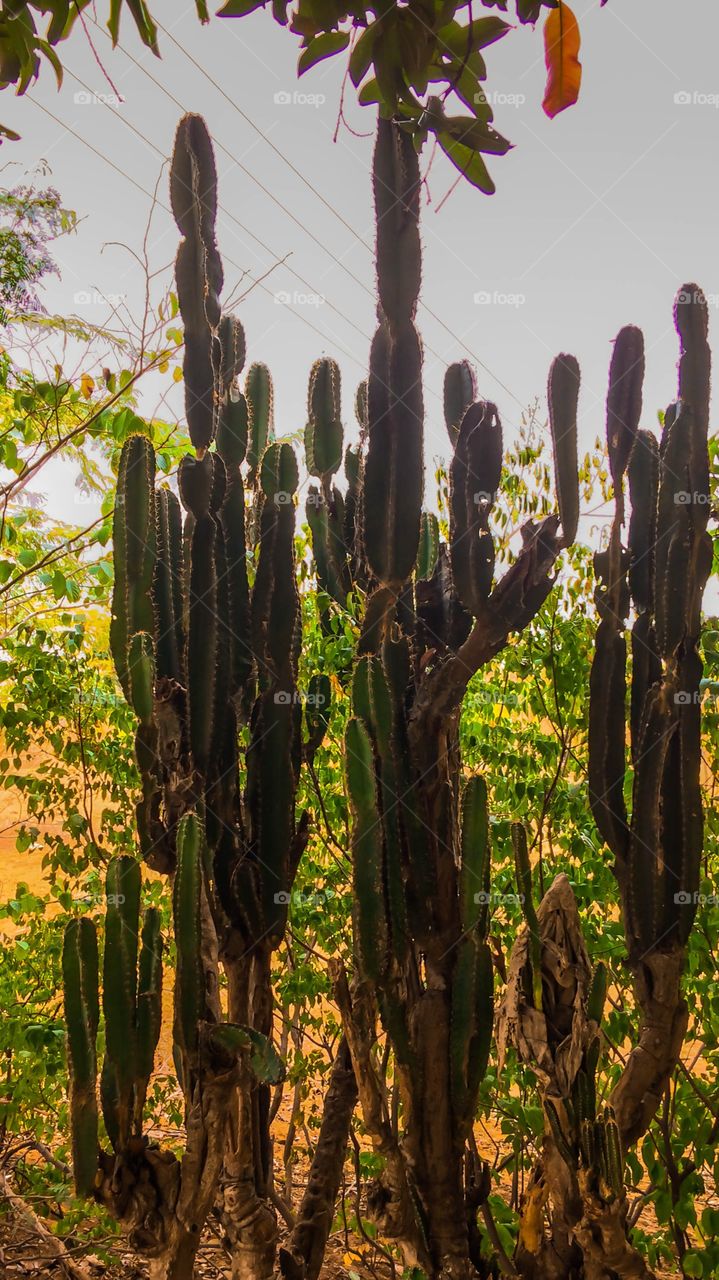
(434, 616)
(200, 655)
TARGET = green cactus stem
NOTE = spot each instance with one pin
(80, 985)
(186, 904)
(563, 397)
(460, 391)
(198, 272)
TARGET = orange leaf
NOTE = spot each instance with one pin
(561, 54)
(87, 385)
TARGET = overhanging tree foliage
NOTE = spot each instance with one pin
(410, 59)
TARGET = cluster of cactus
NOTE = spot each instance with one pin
(660, 574)
(132, 1010)
(205, 636)
(196, 650)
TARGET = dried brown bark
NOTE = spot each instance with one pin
(588, 1235)
(301, 1258)
(662, 1027)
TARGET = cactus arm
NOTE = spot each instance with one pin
(80, 987)
(186, 898)
(371, 918)
(198, 271)
(259, 396)
(141, 676)
(149, 1006)
(428, 550)
(563, 397)
(119, 987)
(274, 740)
(460, 391)
(607, 760)
(233, 521)
(474, 872)
(394, 472)
(202, 641)
(134, 540)
(624, 399)
(167, 585)
(324, 436)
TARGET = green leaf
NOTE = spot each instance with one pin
(475, 135)
(360, 58)
(239, 8)
(323, 46)
(470, 163)
(369, 93)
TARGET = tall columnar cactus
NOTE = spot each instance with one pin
(393, 469)
(198, 273)
(660, 573)
(82, 1011)
(132, 1009)
(435, 613)
(200, 652)
(137, 1180)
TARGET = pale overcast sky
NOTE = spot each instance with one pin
(599, 215)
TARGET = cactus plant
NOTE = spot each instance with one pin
(206, 639)
(200, 653)
(660, 573)
(434, 615)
